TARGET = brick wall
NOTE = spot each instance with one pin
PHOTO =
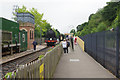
(28, 27)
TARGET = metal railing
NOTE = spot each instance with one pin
(104, 48)
(39, 69)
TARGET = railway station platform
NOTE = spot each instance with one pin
(17, 55)
(78, 64)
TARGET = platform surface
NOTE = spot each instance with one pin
(78, 64)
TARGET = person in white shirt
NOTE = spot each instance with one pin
(64, 45)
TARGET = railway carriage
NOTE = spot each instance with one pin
(11, 37)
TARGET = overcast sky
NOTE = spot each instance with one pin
(61, 14)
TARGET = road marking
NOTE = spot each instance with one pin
(74, 60)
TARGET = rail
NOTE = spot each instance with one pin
(42, 68)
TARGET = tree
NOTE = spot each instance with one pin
(57, 33)
(101, 27)
(72, 31)
(104, 19)
(90, 16)
(80, 27)
(110, 12)
(41, 25)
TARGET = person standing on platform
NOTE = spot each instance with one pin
(75, 40)
(68, 44)
(34, 44)
(64, 45)
(71, 39)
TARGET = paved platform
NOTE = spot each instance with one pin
(17, 55)
(78, 64)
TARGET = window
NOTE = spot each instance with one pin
(30, 35)
(23, 37)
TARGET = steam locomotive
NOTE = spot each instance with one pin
(51, 38)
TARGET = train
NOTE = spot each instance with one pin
(50, 38)
(13, 39)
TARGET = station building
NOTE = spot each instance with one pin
(26, 22)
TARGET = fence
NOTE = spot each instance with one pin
(40, 40)
(39, 69)
(104, 48)
(81, 43)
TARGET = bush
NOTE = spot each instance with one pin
(101, 27)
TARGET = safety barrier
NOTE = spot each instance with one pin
(39, 69)
(104, 47)
(80, 42)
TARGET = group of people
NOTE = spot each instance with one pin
(66, 44)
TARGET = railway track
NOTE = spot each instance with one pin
(12, 65)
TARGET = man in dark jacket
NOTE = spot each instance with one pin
(71, 39)
(34, 44)
(68, 45)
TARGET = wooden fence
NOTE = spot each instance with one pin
(39, 69)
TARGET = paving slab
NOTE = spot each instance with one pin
(78, 64)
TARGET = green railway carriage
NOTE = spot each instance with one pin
(10, 31)
(11, 37)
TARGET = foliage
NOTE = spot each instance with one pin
(41, 56)
(9, 75)
(90, 16)
(80, 27)
(95, 20)
(49, 50)
(104, 19)
(41, 25)
(72, 31)
(110, 12)
(101, 27)
(57, 33)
